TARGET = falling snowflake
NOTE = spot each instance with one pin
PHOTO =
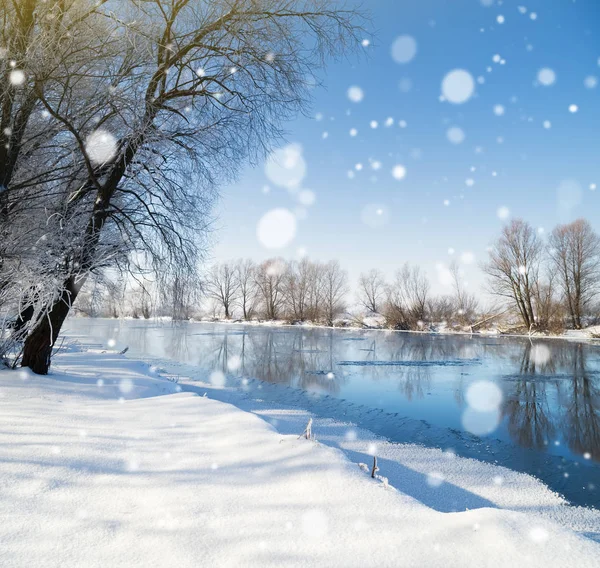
(101, 147)
(276, 229)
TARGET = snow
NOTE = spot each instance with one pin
(458, 86)
(151, 476)
(276, 229)
(404, 49)
(101, 147)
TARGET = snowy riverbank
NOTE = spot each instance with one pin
(106, 463)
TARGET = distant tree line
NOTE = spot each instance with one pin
(542, 285)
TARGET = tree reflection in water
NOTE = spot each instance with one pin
(551, 387)
(559, 396)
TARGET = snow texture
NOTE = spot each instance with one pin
(105, 463)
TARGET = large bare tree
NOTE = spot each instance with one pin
(575, 252)
(161, 101)
(514, 268)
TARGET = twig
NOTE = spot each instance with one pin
(308, 430)
(375, 468)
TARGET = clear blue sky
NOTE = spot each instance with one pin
(450, 196)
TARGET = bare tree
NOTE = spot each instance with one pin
(334, 289)
(222, 285)
(371, 290)
(466, 304)
(407, 298)
(155, 103)
(269, 279)
(180, 293)
(247, 298)
(299, 286)
(514, 268)
(575, 252)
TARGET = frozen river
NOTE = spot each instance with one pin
(533, 407)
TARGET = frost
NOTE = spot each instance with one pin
(404, 49)
(276, 229)
(101, 147)
(546, 77)
(285, 167)
(456, 135)
(458, 86)
(355, 94)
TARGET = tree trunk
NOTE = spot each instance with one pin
(37, 350)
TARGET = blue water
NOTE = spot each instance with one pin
(409, 387)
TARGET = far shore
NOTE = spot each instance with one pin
(583, 335)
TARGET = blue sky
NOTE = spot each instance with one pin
(537, 159)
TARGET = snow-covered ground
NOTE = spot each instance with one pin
(377, 322)
(105, 463)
